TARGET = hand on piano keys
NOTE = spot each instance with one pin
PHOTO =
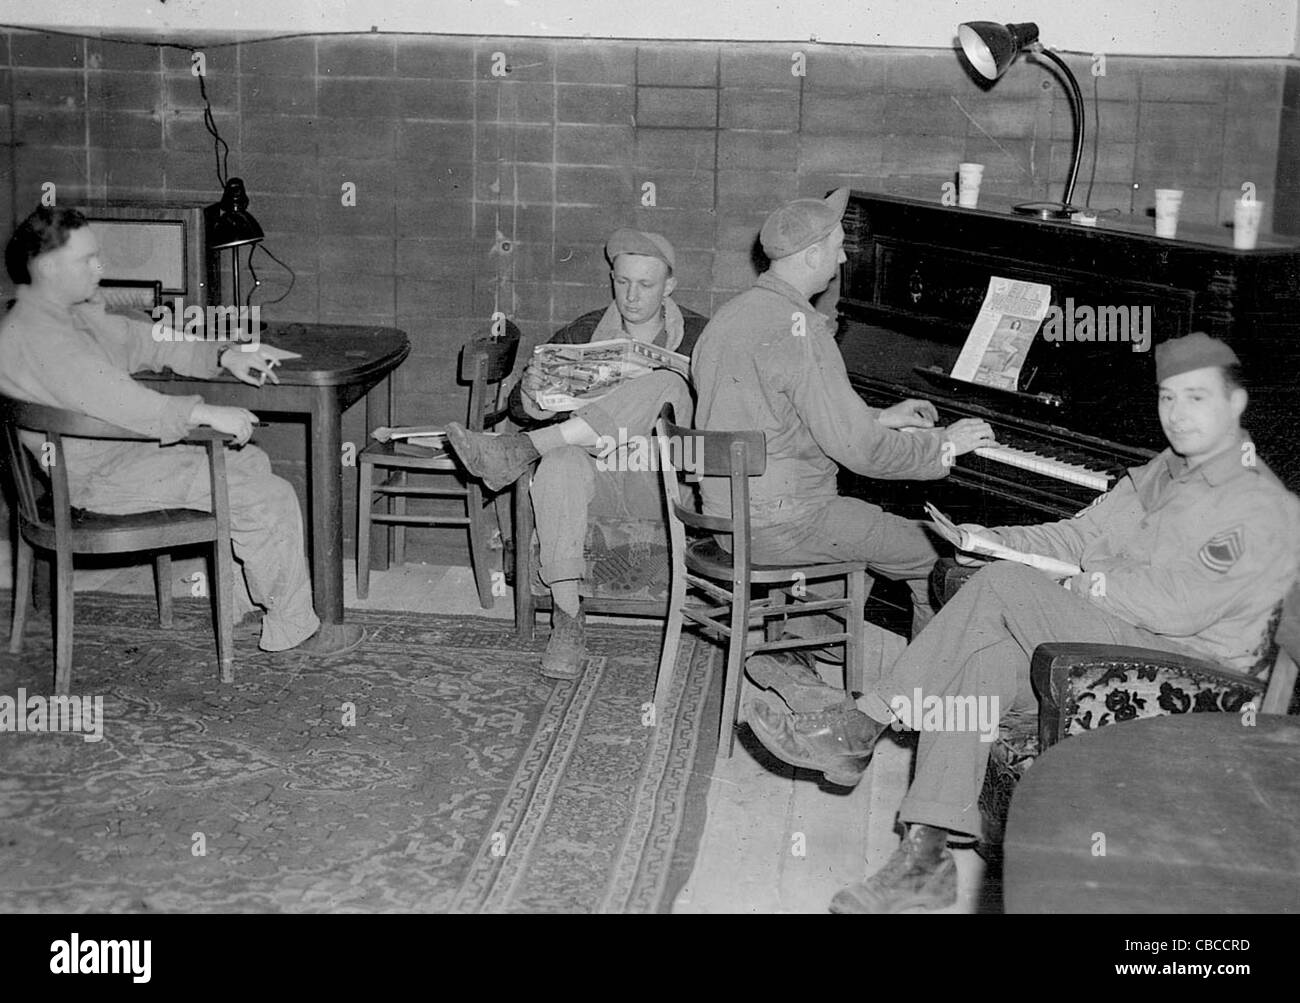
(910, 414)
(969, 434)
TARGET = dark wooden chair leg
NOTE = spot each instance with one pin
(525, 610)
(63, 622)
(223, 580)
(671, 644)
(855, 627)
(162, 573)
(479, 533)
(365, 473)
(24, 568)
(398, 477)
(774, 626)
(222, 566)
(735, 670)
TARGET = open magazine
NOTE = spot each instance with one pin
(973, 543)
(999, 340)
(428, 437)
(574, 375)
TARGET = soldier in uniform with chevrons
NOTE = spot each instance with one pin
(1190, 553)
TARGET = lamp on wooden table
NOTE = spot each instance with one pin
(231, 226)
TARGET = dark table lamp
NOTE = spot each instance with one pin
(231, 225)
(991, 48)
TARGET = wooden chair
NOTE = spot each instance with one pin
(484, 363)
(634, 598)
(47, 520)
(701, 564)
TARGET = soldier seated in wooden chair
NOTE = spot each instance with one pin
(571, 483)
(60, 348)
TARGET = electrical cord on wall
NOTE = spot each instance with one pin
(221, 149)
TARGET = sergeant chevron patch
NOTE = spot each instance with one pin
(1224, 550)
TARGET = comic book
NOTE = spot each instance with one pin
(574, 375)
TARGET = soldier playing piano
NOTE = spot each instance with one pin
(769, 361)
(1192, 552)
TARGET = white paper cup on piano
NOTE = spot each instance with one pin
(969, 177)
(1245, 223)
(1168, 202)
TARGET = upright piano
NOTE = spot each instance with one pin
(916, 275)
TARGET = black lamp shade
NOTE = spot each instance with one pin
(229, 223)
(992, 47)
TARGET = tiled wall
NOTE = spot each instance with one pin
(478, 192)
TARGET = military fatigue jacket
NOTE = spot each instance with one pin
(768, 361)
(1201, 555)
(81, 358)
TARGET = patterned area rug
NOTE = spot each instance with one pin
(433, 770)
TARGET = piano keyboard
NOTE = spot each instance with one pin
(1048, 466)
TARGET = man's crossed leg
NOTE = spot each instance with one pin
(975, 655)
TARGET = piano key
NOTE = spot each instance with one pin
(1037, 463)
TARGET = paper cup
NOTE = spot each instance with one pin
(1168, 202)
(1245, 223)
(968, 184)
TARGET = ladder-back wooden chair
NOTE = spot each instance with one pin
(484, 363)
(727, 578)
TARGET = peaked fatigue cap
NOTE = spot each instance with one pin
(625, 240)
(1194, 351)
(801, 223)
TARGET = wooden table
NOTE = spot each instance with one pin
(1199, 812)
(340, 364)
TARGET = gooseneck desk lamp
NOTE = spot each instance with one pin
(991, 48)
(231, 225)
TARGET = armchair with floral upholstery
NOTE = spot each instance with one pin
(1086, 686)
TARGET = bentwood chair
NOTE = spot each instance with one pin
(484, 363)
(47, 520)
(727, 578)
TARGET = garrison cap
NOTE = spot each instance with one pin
(1194, 351)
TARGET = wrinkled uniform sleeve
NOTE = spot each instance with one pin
(106, 391)
(1068, 539)
(1189, 594)
(846, 429)
(145, 352)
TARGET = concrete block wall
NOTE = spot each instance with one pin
(488, 171)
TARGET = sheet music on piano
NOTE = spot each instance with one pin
(999, 340)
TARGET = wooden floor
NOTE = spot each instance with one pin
(777, 839)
